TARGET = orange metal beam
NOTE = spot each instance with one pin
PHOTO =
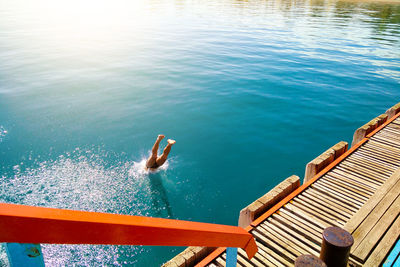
(27, 224)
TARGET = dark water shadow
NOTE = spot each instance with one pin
(159, 196)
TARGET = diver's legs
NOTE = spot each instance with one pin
(153, 157)
(161, 159)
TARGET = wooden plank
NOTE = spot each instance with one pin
(253, 261)
(375, 159)
(375, 182)
(383, 147)
(267, 258)
(375, 216)
(390, 135)
(277, 245)
(271, 255)
(275, 257)
(390, 132)
(363, 173)
(392, 183)
(220, 261)
(363, 154)
(294, 242)
(240, 260)
(338, 201)
(323, 210)
(305, 220)
(367, 163)
(303, 238)
(337, 194)
(364, 184)
(261, 256)
(264, 260)
(238, 264)
(382, 154)
(329, 204)
(349, 186)
(375, 143)
(382, 150)
(376, 163)
(374, 169)
(329, 220)
(394, 252)
(345, 192)
(316, 238)
(380, 158)
(358, 189)
(286, 242)
(379, 227)
(385, 141)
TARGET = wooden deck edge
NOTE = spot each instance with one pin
(284, 201)
(369, 127)
(262, 204)
(393, 110)
(323, 160)
(189, 257)
(308, 183)
(299, 190)
(376, 123)
(383, 125)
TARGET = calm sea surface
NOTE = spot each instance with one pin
(250, 90)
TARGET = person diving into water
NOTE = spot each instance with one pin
(155, 161)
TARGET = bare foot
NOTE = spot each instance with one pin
(160, 137)
(171, 142)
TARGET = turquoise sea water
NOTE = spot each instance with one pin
(250, 90)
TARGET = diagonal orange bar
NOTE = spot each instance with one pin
(27, 224)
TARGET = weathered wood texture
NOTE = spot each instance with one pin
(264, 203)
(375, 223)
(338, 198)
(393, 110)
(367, 128)
(323, 160)
(189, 257)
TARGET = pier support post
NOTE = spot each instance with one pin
(309, 260)
(231, 257)
(336, 244)
(29, 255)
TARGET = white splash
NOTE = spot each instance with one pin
(139, 169)
(83, 180)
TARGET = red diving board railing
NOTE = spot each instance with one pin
(33, 225)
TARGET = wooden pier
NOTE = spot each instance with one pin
(358, 191)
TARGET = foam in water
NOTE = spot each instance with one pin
(139, 169)
(80, 180)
